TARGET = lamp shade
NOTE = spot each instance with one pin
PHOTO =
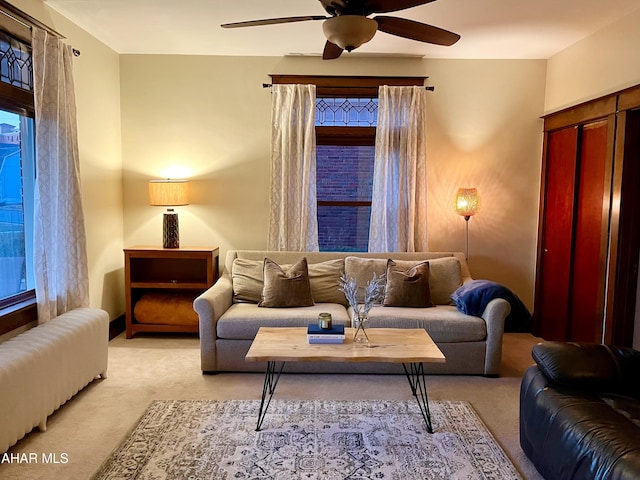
(168, 193)
(349, 31)
(467, 201)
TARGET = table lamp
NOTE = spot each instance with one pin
(169, 193)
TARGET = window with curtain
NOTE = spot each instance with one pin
(399, 199)
(37, 93)
(16, 178)
(346, 117)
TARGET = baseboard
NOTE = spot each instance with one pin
(117, 326)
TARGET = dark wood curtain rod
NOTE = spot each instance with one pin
(429, 88)
(28, 21)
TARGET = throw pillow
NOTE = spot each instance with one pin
(445, 277)
(323, 277)
(445, 274)
(407, 287)
(362, 270)
(247, 280)
(286, 289)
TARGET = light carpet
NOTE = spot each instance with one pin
(324, 440)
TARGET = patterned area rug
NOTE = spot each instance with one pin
(320, 440)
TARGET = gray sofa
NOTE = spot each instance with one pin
(230, 316)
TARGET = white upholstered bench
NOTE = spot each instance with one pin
(42, 368)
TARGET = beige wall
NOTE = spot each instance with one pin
(97, 84)
(208, 118)
(603, 63)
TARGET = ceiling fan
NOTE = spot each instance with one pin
(349, 25)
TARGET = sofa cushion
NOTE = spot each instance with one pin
(247, 280)
(362, 270)
(284, 289)
(445, 275)
(323, 276)
(242, 320)
(443, 323)
(407, 287)
(628, 407)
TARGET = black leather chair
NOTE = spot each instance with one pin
(580, 412)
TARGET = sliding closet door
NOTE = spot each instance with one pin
(590, 234)
(588, 238)
(554, 271)
(570, 283)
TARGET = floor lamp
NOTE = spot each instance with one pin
(169, 193)
(467, 205)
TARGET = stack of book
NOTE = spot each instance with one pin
(315, 334)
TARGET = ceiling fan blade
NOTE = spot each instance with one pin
(331, 51)
(386, 6)
(273, 21)
(416, 30)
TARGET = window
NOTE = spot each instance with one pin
(347, 112)
(16, 202)
(346, 119)
(16, 182)
(344, 171)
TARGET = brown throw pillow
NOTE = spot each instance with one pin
(407, 288)
(286, 289)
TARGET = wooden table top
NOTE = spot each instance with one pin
(390, 345)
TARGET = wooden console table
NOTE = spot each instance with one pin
(157, 269)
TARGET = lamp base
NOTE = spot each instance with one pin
(170, 230)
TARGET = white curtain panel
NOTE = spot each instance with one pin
(293, 223)
(399, 195)
(60, 263)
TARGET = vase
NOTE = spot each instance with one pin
(361, 324)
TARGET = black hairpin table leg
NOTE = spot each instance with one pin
(417, 381)
(271, 377)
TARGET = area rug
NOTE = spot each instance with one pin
(319, 440)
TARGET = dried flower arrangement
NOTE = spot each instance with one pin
(373, 293)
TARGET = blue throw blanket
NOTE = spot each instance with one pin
(473, 297)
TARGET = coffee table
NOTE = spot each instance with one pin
(410, 346)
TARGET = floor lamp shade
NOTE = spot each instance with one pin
(467, 204)
(169, 193)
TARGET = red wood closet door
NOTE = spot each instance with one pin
(552, 299)
(570, 287)
(590, 236)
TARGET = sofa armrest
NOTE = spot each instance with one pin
(586, 366)
(210, 306)
(629, 361)
(494, 315)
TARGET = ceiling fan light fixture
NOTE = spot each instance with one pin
(349, 31)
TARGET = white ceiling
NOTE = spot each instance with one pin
(489, 28)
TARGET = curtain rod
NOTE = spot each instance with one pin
(429, 88)
(29, 22)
